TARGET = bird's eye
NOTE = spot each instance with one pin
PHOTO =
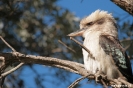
(90, 23)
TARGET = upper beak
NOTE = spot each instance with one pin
(77, 33)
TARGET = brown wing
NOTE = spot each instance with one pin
(112, 47)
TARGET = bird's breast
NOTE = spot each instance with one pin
(101, 61)
(92, 43)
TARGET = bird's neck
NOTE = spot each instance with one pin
(90, 34)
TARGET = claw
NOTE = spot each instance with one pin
(99, 75)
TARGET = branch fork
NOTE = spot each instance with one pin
(50, 61)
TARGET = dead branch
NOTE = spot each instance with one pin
(77, 81)
(126, 5)
(55, 62)
(90, 54)
(4, 65)
(66, 46)
(8, 44)
(12, 70)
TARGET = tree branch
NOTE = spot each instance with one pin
(49, 61)
(8, 44)
(55, 62)
(90, 54)
(77, 81)
(126, 5)
(12, 70)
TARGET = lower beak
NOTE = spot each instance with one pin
(77, 33)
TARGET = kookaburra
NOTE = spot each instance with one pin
(100, 34)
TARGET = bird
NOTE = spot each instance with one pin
(100, 33)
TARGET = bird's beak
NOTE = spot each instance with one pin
(77, 33)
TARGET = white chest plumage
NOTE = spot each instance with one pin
(92, 43)
(102, 61)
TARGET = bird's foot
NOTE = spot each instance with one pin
(100, 76)
(122, 78)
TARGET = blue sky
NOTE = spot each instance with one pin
(80, 9)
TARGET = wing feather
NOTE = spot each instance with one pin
(112, 47)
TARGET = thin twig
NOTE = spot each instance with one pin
(128, 46)
(12, 70)
(81, 1)
(15, 68)
(77, 81)
(8, 44)
(90, 54)
(66, 46)
(104, 84)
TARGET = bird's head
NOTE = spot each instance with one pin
(98, 21)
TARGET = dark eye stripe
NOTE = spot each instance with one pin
(90, 23)
(100, 21)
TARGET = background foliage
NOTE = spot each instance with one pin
(34, 27)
